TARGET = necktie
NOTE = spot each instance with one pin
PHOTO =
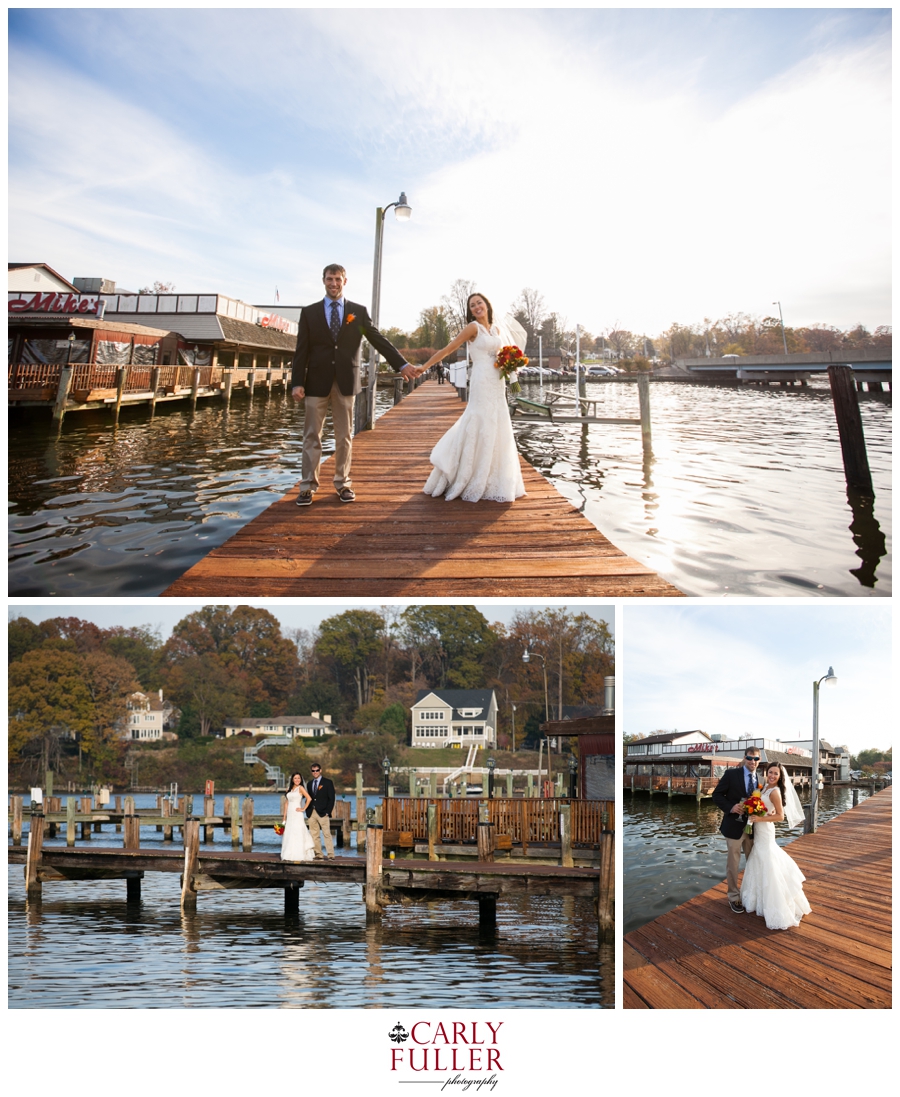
(335, 320)
(751, 783)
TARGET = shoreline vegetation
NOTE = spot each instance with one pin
(735, 333)
(73, 686)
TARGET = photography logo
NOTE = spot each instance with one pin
(458, 1055)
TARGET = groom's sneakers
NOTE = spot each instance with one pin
(736, 907)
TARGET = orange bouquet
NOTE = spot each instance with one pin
(753, 805)
(279, 828)
(509, 359)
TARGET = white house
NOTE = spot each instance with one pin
(37, 278)
(313, 726)
(454, 718)
(146, 717)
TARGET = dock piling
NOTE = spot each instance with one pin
(85, 823)
(247, 825)
(62, 394)
(235, 824)
(432, 832)
(643, 384)
(487, 913)
(374, 869)
(191, 863)
(485, 838)
(565, 836)
(360, 813)
(16, 820)
(70, 821)
(605, 903)
(35, 850)
(132, 835)
(292, 897)
(850, 430)
(133, 888)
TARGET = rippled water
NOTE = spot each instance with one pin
(744, 494)
(672, 848)
(83, 946)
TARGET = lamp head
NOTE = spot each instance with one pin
(491, 762)
(830, 678)
(402, 210)
(386, 764)
(526, 657)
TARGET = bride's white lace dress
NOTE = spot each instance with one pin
(773, 884)
(477, 457)
(296, 842)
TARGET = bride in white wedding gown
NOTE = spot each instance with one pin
(773, 884)
(296, 842)
(477, 457)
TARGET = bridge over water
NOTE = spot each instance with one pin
(871, 368)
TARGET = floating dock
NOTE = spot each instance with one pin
(395, 541)
(701, 956)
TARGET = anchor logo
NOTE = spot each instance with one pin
(398, 1034)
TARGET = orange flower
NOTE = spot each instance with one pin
(350, 318)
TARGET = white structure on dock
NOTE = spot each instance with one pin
(454, 718)
(313, 726)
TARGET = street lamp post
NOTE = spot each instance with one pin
(514, 729)
(573, 769)
(781, 318)
(830, 679)
(491, 762)
(386, 770)
(402, 212)
(526, 658)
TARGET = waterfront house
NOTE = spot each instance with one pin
(37, 278)
(146, 718)
(454, 718)
(834, 762)
(314, 726)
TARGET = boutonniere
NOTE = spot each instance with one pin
(350, 318)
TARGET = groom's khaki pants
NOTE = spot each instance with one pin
(736, 846)
(342, 418)
(321, 824)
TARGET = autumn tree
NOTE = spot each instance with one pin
(48, 700)
(451, 641)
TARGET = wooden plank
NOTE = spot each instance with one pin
(839, 956)
(396, 541)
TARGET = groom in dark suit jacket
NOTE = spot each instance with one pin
(319, 809)
(326, 369)
(734, 787)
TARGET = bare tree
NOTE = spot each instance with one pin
(455, 304)
(530, 310)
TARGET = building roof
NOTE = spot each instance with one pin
(239, 331)
(665, 737)
(587, 725)
(34, 319)
(259, 721)
(459, 698)
(50, 270)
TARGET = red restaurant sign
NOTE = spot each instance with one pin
(58, 303)
(277, 323)
(694, 747)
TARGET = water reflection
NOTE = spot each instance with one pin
(672, 849)
(743, 493)
(87, 947)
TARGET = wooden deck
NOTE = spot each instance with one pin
(396, 541)
(701, 956)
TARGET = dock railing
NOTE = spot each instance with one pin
(525, 821)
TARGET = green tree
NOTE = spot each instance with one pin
(142, 647)
(393, 722)
(350, 642)
(452, 642)
(204, 687)
(23, 636)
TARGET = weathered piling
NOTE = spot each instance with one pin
(432, 832)
(86, 803)
(166, 813)
(374, 854)
(209, 810)
(121, 379)
(605, 900)
(360, 813)
(247, 824)
(118, 810)
(35, 850)
(234, 813)
(16, 820)
(70, 821)
(132, 827)
(62, 393)
(154, 389)
(485, 839)
(191, 864)
(850, 430)
(643, 384)
(565, 836)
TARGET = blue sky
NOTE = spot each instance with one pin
(637, 167)
(750, 669)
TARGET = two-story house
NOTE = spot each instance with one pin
(454, 718)
(146, 717)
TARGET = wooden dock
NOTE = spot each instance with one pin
(396, 541)
(701, 956)
(384, 881)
